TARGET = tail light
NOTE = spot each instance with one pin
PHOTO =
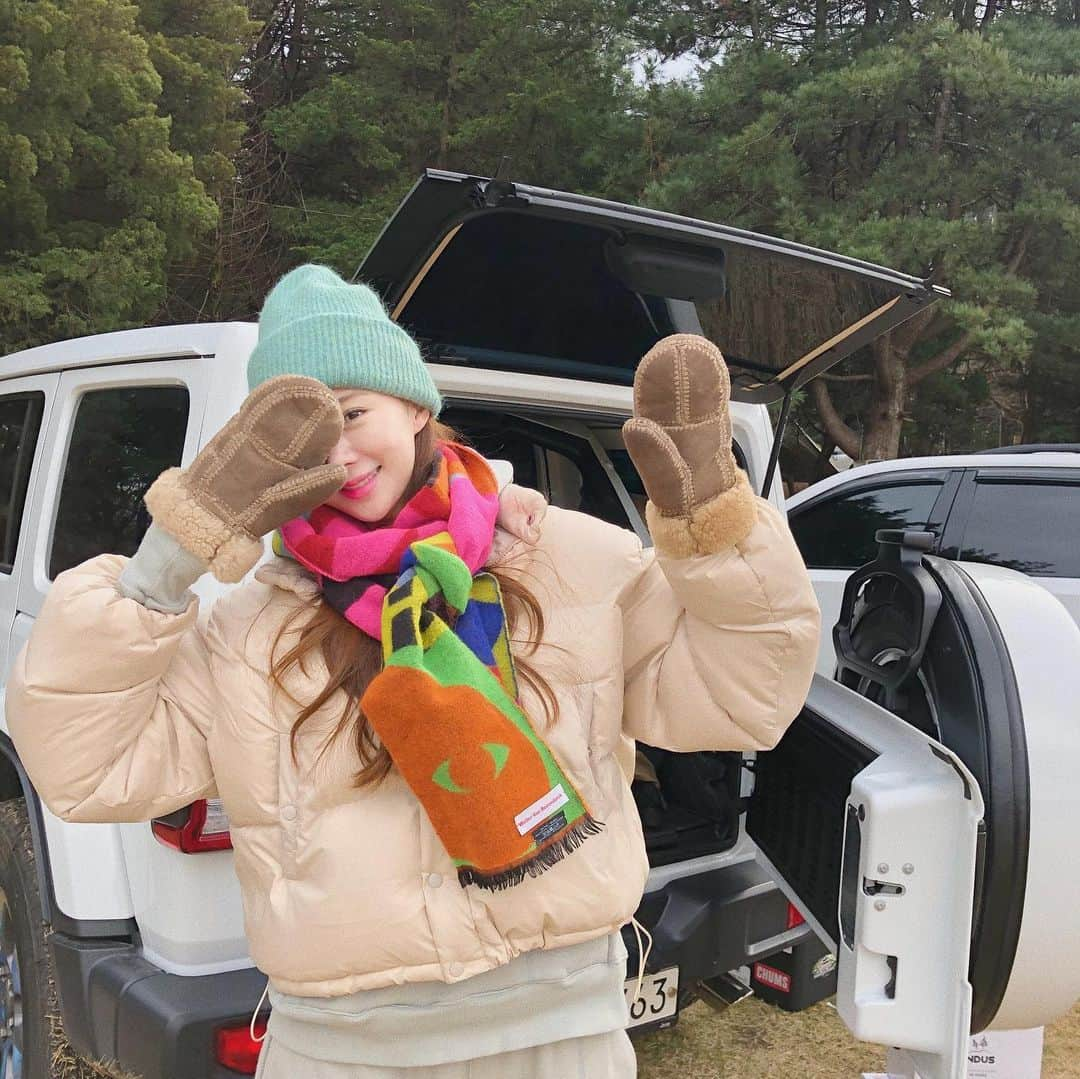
(199, 827)
(235, 1048)
(794, 918)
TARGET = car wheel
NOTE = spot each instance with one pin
(32, 1044)
(25, 962)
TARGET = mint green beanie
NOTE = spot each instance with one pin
(315, 323)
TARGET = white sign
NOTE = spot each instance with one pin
(1006, 1054)
(999, 1054)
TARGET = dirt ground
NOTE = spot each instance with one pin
(752, 1040)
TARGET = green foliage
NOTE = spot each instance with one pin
(941, 150)
(99, 188)
(444, 83)
(167, 160)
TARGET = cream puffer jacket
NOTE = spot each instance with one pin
(121, 713)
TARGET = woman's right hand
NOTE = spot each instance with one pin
(266, 466)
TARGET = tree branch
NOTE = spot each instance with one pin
(846, 378)
(1020, 250)
(844, 437)
(942, 360)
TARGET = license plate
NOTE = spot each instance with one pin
(658, 999)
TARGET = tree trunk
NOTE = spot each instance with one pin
(883, 417)
(457, 33)
(881, 437)
(821, 26)
(296, 41)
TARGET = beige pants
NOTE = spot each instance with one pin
(601, 1056)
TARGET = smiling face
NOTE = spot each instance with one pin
(378, 449)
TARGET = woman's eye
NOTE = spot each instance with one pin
(354, 414)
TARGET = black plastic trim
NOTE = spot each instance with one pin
(87, 928)
(1005, 784)
(711, 923)
(797, 814)
(1056, 477)
(117, 1006)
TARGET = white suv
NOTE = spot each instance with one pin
(1017, 507)
(936, 869)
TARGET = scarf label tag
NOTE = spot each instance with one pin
(549, 828)
(541, 809)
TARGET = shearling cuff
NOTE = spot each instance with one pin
(714, 526)
(228, 554)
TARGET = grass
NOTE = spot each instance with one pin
(753, 1039)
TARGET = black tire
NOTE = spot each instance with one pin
(24, 940)
(25, 963)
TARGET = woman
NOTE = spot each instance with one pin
(420, 726)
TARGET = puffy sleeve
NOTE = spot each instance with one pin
(719, 649)
(109, 703)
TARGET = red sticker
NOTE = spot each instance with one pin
(773, 978)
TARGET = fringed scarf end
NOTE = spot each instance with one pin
(538, 862)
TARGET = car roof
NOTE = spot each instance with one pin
(121, 346)
(1029, 461)
(233, 339)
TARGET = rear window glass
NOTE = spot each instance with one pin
(1002, 529)
(122, 440)
(839, 533)
(519, 292)
(20, 422)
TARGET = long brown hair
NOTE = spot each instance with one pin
(353, 658)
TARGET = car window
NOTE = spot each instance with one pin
(1000, 528)
(631, 480)
(839, 533)
(121, 440)
(562, 466)
(20, 422)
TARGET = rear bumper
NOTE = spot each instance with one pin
(117, 1006)
(713, 922)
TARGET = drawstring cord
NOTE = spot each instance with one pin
(643, 958)
(254, 1014)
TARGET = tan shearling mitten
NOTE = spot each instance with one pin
(679, 438)
(266, 466)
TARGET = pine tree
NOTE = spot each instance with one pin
(95, 199)
(370, 94)
(944, 152)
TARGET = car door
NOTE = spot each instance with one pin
(835, 532)
(917, 813)
(992, 518)
(113, 429)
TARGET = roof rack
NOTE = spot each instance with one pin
(1037, 447)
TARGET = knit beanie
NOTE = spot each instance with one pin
(317, 324)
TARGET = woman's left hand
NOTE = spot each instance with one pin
(520, 512)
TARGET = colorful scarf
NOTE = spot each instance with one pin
(445, 705)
